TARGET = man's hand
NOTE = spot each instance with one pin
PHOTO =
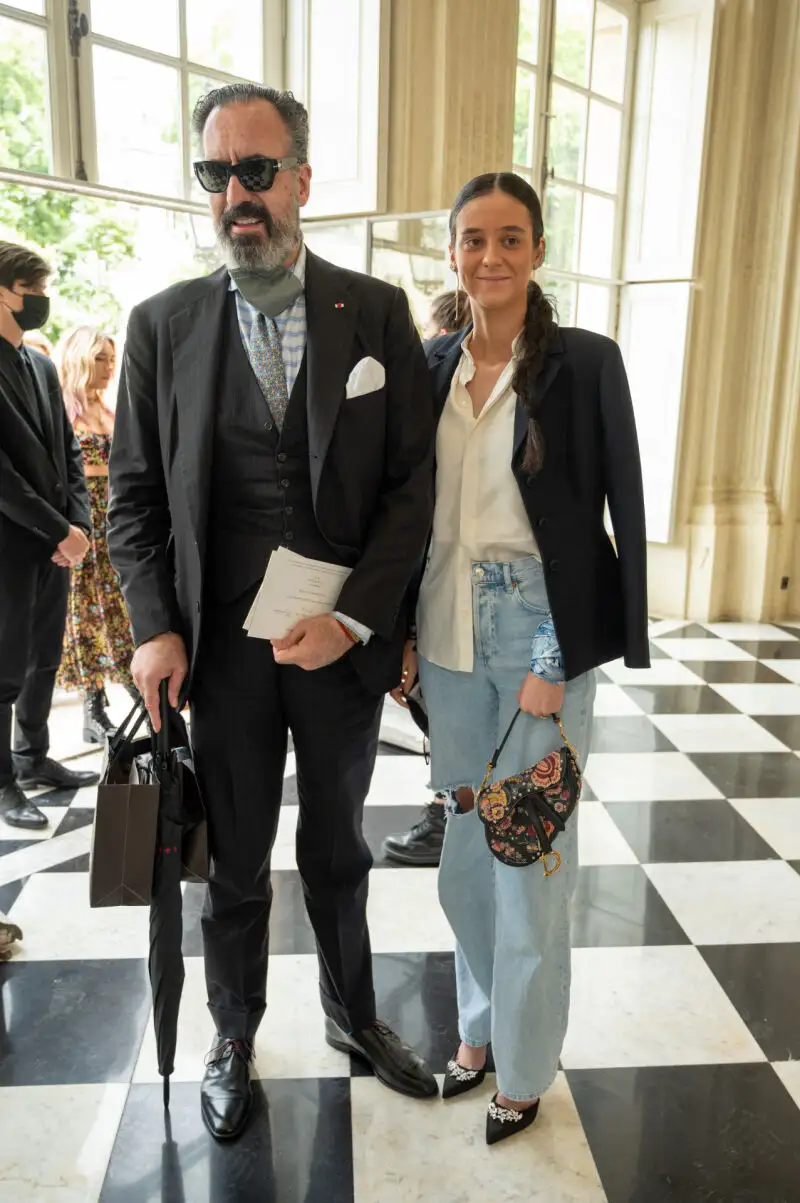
(161, 658)
(313, 643)
(71, 550)
(540, 698)
(409, 674)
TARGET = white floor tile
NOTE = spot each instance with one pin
(405, 1151)
(56, 1141)
(53, 911)
(702, 649)
(399, 729)
(646, 777)
(747, 631)
(290, 1042)
(762, 699)
(45, 855)
(661, 672)
(777, 820)
(732, 902)
(651, 1006)
(789, 1074)
(283, 853)
(400, 781)
(404, 912)
(787, 668)
(600, 841)
(54, 814)
(612, 702)
(716, 733)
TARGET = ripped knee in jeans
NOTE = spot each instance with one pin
(460, 801)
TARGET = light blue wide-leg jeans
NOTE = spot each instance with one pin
(511, 924)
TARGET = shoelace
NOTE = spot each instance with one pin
(229, 1044)
(433, 810)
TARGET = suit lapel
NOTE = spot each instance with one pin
(444, 354)
(331, 311)
(43, 404)
(196, 334)
(15, 384)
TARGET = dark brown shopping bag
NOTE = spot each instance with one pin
(126, 821)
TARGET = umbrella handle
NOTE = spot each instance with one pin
(162, 740)
(166, 1092)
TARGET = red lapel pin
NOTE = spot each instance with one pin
(339, 305)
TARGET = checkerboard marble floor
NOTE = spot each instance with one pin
(680, 1075)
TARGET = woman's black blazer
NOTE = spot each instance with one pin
(598, 597)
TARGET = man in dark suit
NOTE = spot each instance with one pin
(281, 401)
(44, 524)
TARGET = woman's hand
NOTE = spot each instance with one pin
(409, 674)
(540, 698)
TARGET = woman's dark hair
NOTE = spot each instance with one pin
(540, 317)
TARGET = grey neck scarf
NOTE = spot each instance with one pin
(269, 290)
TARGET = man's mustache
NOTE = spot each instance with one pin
(247, 209)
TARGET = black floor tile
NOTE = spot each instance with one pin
(289, 929)
(8, 846)
(735, 672)
(763, 983)
(692, 630)
(691, 1134)
(668, 832)
(795, 865)
(75, 818)
(415, 993)
(678, 699)
(71, 1021)
(380, 821)
(78, 864)
(618, 906)
(628, 733)
(772, 649)
(54, 797)
(657, 654)
(289, 796)
(9, 893)
(751, 774)
(785, 727)
(297, 1148)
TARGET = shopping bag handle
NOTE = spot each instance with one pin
(123, 737)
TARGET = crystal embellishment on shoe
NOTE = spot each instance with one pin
(504, 1115)
(460, 1073)
(458, 1079)
(502, 1122)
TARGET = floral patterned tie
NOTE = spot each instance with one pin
(266, 358)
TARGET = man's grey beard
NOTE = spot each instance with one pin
(281, 241)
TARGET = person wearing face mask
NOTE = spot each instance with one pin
(98, 647)
(44, 528)
(281, 401)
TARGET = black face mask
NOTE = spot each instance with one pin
(34, 312)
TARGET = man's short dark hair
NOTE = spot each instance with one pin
(294, 114)
(18, 265)
(450, 311)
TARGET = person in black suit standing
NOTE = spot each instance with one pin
(281, 401)
(44, 522)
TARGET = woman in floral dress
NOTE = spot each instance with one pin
(97, 643)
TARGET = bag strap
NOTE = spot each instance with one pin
(492, 765)
(123, 737)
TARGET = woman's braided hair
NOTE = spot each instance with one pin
(540, 316)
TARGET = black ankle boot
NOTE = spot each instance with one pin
(96, 723)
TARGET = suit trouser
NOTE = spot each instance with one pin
(243, 706)
(33, 613)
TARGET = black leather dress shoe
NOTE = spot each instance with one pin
(422, 845)
(392, 1062)
(225, 1094)
(50, 774)
(18, 811)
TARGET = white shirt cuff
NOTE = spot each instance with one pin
(362, 633)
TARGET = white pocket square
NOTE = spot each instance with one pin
(366, 377)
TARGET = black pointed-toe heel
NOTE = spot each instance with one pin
(502, 1122)
(458, 1080)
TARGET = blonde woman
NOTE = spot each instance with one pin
(97, 644)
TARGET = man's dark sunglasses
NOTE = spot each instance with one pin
(256, 174)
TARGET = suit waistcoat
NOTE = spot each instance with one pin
(260, 479)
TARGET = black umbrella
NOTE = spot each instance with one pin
(180, 853)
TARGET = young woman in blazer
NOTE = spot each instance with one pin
(522, 597)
